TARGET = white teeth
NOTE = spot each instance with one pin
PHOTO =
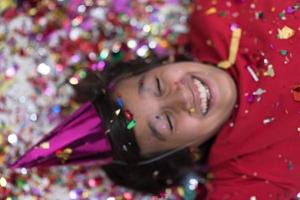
(204, 95)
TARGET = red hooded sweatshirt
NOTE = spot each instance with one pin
(256, 155)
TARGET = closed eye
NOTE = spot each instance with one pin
(158, 86)
(170, 123)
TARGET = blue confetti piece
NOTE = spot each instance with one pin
(119, 102)
(56, 109)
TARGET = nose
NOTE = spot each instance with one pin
(180, 97)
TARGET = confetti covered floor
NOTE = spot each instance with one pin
(45, 47)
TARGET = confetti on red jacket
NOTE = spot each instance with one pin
(256, 153)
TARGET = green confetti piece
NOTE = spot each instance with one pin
(103, 54)
(189, 194)
(282, 15)
(223, 14)
(283, 52)
(20, 183)
(117, 57)
(82, 74)
(60, 181)
(131, 124)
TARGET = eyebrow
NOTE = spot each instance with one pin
(156, 133)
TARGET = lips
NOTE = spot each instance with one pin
(197, 98)
(201, 103)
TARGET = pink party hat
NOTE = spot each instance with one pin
(79, 139)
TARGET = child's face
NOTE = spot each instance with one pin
(169, 100)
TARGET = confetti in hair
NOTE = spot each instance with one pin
(131, 124)
(119, 102)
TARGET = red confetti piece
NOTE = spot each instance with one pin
(128, 115)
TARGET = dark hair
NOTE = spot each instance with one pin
(154, 176)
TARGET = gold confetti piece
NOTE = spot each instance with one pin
(2, 159)
(192, 110)
(224, 64)
(32, 11)
(273, 9)
(210, 11)
(6, 85)
(285, 33)
(64, 155)
(180, 191)
(1, 139)
(270, 72)
(45, 145)
(233, 49)
(5, 4)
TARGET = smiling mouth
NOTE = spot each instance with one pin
(201, 94)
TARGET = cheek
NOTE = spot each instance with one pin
(148, 144)
(191, 129)
(173, 75)
(143, 137)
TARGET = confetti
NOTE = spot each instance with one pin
(3, 182)
(64, 155)
(45, 145)
(252, 73)
(296, 93)
(74, 80)
(253, 198)
(124, 147)
(5, 4)
(233, 49)
(250, 98)
(268, 120)
(283, 52)
(285, 33)
(192, 110)
(290, 10)
(43, 69)
(128, 114)
(119, 102)
(12, 139)
(211, 11)
(259, 92)
(131, 124)
(117, 112)
(282, 15)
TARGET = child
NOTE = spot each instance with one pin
(254, 155)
